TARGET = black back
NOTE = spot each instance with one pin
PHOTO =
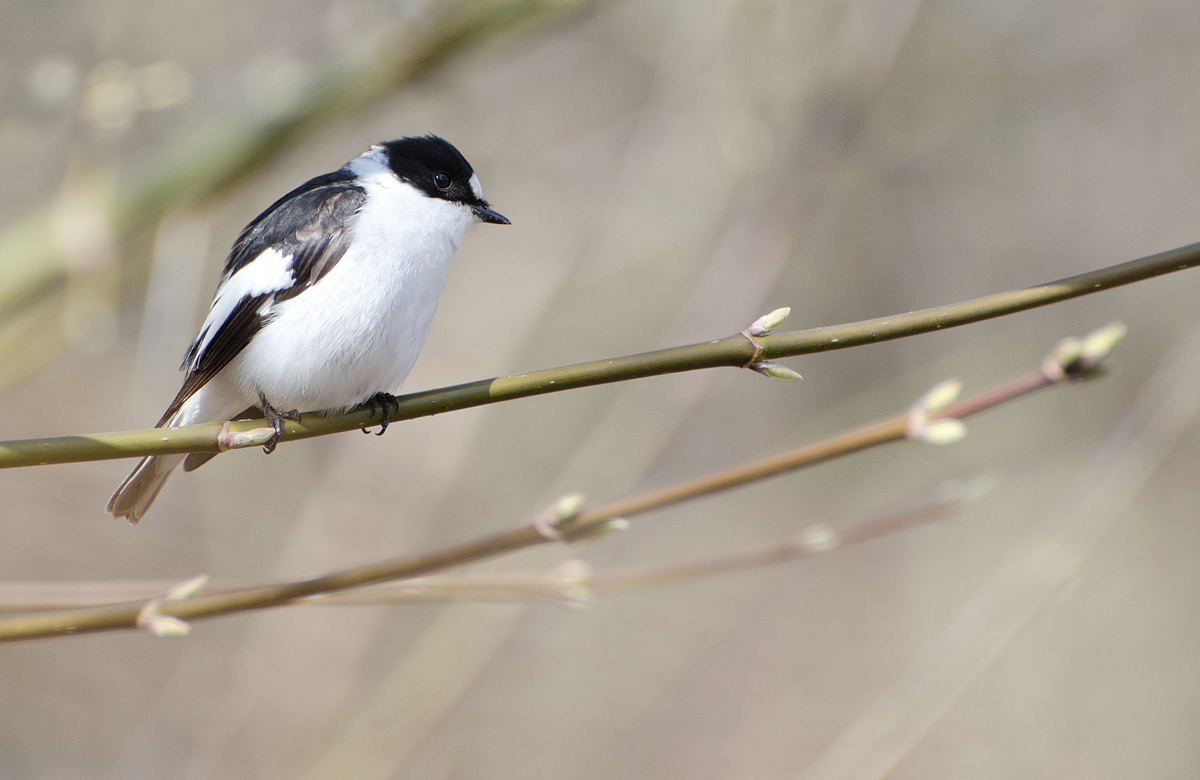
(297, 218)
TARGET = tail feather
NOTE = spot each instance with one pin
(214, 401)
(140, 488)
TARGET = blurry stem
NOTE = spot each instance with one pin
(572, 581)
(733, 351)
(1072, 360)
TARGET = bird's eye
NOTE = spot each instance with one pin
(442, 180)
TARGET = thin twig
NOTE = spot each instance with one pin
(1037, 571)
(574, 581)
(1071, 360)
(734, 351)
(571, 581)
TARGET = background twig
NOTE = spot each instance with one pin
(1071, 360)
(572, 581)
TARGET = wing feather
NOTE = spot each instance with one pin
(286, 250)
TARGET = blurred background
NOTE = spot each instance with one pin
(673, 169)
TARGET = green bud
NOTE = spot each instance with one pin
(768, 368)
(1098, 344)
(185, 590)
(567, 507)
(769, 322)
(616, 525)
(941, 395)
(943, 432)
(167, 625)
(236, 440)
(819, 538)
(571, 578)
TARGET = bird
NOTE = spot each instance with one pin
(325, 300)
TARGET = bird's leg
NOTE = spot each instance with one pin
(384, 402)
(275, 420)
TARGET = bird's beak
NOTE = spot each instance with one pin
(485, 214)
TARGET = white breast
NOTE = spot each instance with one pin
(359, 330)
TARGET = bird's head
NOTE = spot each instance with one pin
(436, 168)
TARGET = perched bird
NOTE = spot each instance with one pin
(326, 298)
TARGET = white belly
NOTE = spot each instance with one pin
(357, 331)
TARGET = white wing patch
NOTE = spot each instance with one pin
(269, 272)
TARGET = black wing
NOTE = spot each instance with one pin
(310, 227)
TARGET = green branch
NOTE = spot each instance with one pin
(1072, 360)
(734, 351)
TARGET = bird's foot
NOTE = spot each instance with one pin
(384, 402)
(275, 420)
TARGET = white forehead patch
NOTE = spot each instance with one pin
(476, 187)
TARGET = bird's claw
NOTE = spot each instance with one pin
(382, 402)
(275, 420)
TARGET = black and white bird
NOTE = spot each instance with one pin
(326, 298)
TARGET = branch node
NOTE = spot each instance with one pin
(158, 624)
(758, 348)
(761, 327)
(819, 538)
(571, 580)
(161, 625)
(235, 440)
(549, 523)
(1075, 359)
(940, 431)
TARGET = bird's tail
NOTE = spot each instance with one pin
(140, 488)
(135, 495)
